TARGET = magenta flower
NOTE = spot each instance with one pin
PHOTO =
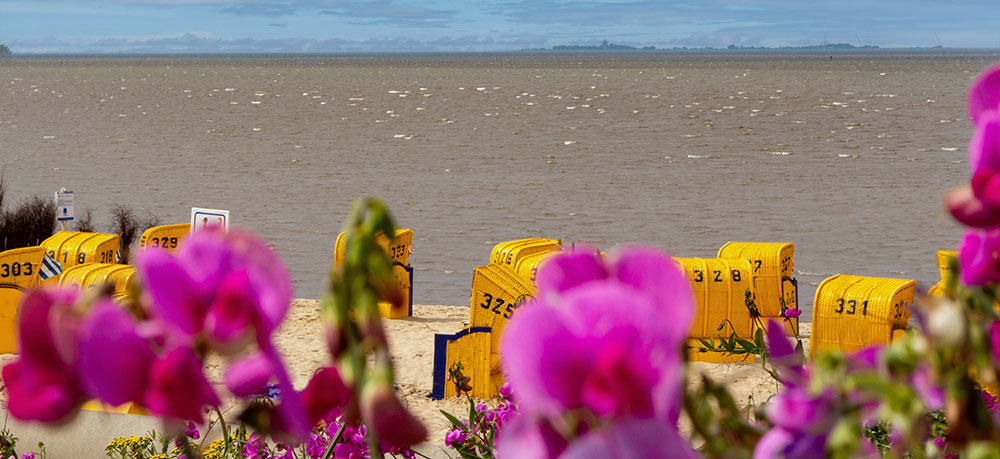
(506, 392)
(455, 437)
(634, 439)
(110, 347)
(247, 377)
(231, 288)
(978, 205)
(325, 395)
(348, 450)
(389, 418)
(988, 400)
(530, 438)
(42, 384)
(977, 254)
(177, 386)
(788, 362)
(255, 446)
(793, 313)
(226, 285)
(594, 340)
(316, 446)
(994, 337)
(984, 95)
(192, 431)
(926, 389)
(801, 424)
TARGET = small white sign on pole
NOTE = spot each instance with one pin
(208, 218)
(64, 205)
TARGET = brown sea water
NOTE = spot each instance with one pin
(847, 158)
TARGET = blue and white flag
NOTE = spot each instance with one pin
(118, 257)
(50, 267)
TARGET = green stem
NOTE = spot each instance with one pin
(373, 449)
(225, 432)
(333, 442)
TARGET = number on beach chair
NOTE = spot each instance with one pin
(398, 251)
(165, 236)
(774, 273)
(853, 312)
(71, 248)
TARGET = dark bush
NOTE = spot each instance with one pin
(129, 226)
(125, 224)
(28, 224)
(85, 222)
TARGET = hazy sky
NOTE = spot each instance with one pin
(112, 26)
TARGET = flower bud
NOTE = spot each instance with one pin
(946, 323)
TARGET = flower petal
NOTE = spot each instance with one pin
(926, 389)
(39, 394)
(633, 356)
(177, 386)
(865, 358)
(268, 276)
(984, 95)
(390, 420)
(652, 271)
(976, 256)
(773, 444)
(544, 361)
(778, 345)
(633, 439)
(207, 258)
(325, 395)
(113, 359)
(577, 266)
(247, 377)
(965, 207)
(984, 146)
(36, 337)
(232, 316)
(176, 298)
(528, 438)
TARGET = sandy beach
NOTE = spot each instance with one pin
(301, 342)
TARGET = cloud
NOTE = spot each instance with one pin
(462, 42)
(279, 24)
(387, 12)
(260, 9)
(650, 13)
(529, 40)
(204, 44)
(713, 40)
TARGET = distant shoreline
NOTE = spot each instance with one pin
(582, 51)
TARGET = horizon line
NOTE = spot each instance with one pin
(811, 49)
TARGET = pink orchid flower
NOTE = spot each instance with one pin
(229, 286)
(604, 338)
(977, 256)
(177, 386)
(42, 385)
(109, 349)
(234, 290)
(978, 204)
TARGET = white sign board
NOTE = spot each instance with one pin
(64, 205)
(207, 218)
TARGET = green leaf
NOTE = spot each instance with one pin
(454, 421)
